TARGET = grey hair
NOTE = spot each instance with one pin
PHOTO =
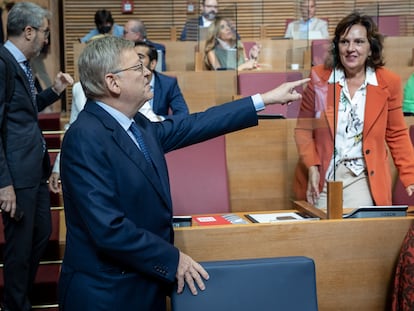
(24, 14)
(100, 57)
(139, 27)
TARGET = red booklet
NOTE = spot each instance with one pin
(209, 220)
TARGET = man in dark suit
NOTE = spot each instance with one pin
(191, 30)
(167, 93)
(135, 30)
(119, 244)
(24, 160)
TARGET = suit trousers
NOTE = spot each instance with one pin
(26, 240)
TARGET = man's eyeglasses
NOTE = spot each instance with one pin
(46, 31)
(127, 32)
(137, 67)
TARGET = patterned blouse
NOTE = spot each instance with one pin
(349, 133)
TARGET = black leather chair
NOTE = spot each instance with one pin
(283, 283)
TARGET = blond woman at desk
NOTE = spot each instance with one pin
(224, 51)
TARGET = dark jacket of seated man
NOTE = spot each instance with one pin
(167, 94)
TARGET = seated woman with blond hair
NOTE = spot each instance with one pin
(223, 50)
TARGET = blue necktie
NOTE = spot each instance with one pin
(30, 77)
(138, 136)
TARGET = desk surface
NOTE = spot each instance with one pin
(354, 258)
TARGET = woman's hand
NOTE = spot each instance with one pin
(255, 52)
(248, 65)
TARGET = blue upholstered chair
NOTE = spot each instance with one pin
(283, 283)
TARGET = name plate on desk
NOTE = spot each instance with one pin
(378, 211)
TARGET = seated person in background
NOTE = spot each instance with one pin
(134, 30)
(309, 26)
(167, 93)
(104, 25)
(209, 10)
(408, 102)
(223, 50)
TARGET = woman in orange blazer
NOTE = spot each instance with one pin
(352, 106)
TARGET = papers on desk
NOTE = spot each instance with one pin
(225, 219)
(276, 217)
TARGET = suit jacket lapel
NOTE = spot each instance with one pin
(157, 154)
(374, 106)
(22, 75)
(157, 94)
(127, 146)
(25, 80)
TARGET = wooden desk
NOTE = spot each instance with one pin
(354, 258)
(398, 51)
(203, 90)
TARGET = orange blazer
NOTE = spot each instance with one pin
(384, 129)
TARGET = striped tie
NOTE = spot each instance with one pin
(29, 74)
(138, 136)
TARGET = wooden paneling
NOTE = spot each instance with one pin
(257, 19)
(256, 161)
(202, 90)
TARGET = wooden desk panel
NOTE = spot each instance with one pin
(398, 51)
(202, 90)
(179, 55)
(354, 259)
(260, 163)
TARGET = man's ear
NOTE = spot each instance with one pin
(29, 32)
(112, 83)
(153, 64)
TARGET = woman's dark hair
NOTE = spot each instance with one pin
(375, 38)
(102, 17)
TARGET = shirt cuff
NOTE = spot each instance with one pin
(258, 102)
(56, 166)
